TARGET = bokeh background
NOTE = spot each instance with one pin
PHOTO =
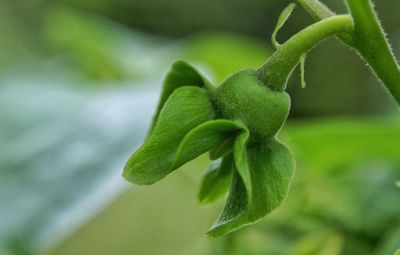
(78, 84)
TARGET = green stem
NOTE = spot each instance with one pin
(319, 11)
(316, 9)
(276, 71)
(368, 40)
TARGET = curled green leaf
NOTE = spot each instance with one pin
(181, 74)
(185, 109)
(270, 167)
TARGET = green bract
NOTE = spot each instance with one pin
(238, 121)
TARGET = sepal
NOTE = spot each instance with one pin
(185, 109)
(181, 74)
(270, 166)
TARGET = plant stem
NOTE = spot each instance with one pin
(276, 71)
(316, 9)
(320, 11)
(368, 40)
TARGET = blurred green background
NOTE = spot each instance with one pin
(79, 81)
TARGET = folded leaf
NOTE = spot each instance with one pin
(185, 109)
(270, 167)
(216, 180)
(203, 138)
(181, 74)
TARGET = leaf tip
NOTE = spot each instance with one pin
(136, 175)
(281, 21)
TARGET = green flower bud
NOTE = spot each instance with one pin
(194, 117)
(262, 110)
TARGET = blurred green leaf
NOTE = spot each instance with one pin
(391, 242)
(330, 144)
(100, 48)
